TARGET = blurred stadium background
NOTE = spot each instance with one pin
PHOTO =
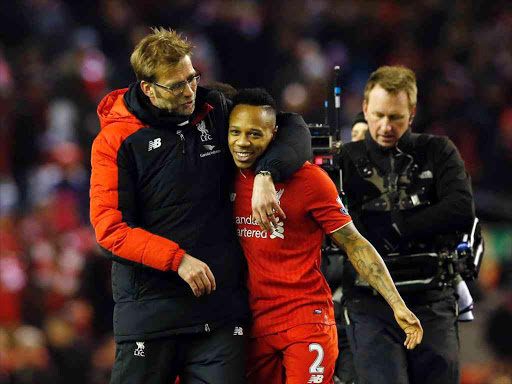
(59, 58)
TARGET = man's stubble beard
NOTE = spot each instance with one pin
(164, 105)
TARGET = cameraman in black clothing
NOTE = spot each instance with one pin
(408, 194)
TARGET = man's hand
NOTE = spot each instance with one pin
(410, 324)
(369, 264)
(197, 274)
(265, 206)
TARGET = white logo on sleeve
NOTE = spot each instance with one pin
(153, 144)
(239, 331)
(205, 135)
(140, 349)
(343, 209)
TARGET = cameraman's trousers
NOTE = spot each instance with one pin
(377, 341)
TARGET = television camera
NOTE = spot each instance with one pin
(325, 138)
(327, 146)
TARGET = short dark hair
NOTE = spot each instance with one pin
(226, 89)
(257, 97)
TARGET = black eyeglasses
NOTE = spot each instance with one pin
(178, 89)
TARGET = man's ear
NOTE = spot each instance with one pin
(411, 118)
(365, 110)
(274, 132)
(146, 88)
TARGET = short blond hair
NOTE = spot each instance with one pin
(159, 52)
(394, 79)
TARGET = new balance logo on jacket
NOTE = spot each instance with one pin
(239, 331)
(153, 144)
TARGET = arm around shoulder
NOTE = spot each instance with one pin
(290, 150)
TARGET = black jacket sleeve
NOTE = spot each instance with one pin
(290, 150)
(454, 208)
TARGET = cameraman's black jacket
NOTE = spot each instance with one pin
(407, 198)
(159, 188)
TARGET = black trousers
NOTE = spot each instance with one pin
(379, 355)
(207, 358)
(344, 371)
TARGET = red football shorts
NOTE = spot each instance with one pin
(302, 354)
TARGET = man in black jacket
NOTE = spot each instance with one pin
(408, 194)
(161, 175)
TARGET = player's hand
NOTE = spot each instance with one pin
(411, 326)
(197, 275)
(265, 206)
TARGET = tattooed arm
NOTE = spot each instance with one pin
(369, 264)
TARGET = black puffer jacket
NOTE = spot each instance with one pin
(160, 188)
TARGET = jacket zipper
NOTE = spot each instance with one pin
(180, 134)
(393, 181)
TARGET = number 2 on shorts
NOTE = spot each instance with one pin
(316, 367)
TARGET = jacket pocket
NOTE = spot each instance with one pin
(124, 282)
(154, 284)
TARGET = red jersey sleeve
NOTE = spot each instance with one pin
(323, 202)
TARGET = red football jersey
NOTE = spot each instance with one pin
(286, 286)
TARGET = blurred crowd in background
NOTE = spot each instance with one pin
(59, 58)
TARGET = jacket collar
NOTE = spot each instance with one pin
(380, 156)
(140, 105)
(405, 144)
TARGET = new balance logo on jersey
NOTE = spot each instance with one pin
(153, 144)
(205, 135)
(239, 331)
(140, 349)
